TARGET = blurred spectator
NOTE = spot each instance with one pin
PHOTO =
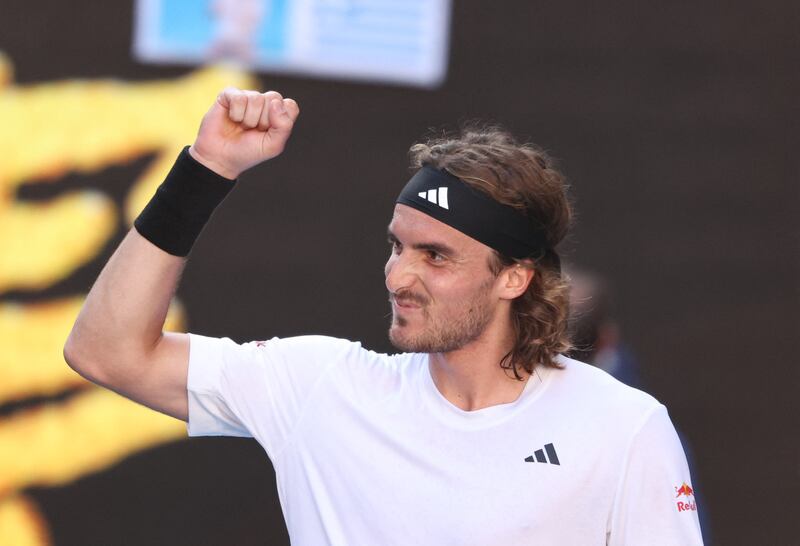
(595, 334)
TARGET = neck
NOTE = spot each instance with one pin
(471, 378)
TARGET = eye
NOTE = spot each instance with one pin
(397, 247)
(435, 256)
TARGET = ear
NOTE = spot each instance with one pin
(515, 279)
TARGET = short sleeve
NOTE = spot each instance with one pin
(655, 503)
(258, 389)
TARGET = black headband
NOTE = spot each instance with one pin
(446, 198)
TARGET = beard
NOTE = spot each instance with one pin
(449, 331)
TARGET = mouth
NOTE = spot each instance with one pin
(404, 307)
(404, 303)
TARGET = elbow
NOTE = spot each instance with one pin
(72, 353)
(78, 357)
(109, 365)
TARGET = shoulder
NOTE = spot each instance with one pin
(311, 345)
(339, 350)
(594, 391)
(307, 350)
(346, 357)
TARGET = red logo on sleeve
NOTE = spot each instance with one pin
(688, 503)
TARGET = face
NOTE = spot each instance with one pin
(439, 282)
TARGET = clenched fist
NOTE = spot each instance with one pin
(242, 129)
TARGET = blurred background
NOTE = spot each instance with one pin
(676, 124)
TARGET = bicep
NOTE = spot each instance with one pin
(160, 381)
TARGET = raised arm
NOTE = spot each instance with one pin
(117, 340)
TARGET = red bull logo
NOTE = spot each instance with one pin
(685, 490)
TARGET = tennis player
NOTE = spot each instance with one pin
(478, 433)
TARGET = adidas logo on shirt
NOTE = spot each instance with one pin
(437, 196)
(538, 456)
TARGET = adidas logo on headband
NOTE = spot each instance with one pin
(436, 196)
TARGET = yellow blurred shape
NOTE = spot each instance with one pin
(41, 243)
(46, 131)
(32, 337)
(51, 129)
(86, 125)
(57, 443)
(21, 524)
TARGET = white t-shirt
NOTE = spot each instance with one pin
(368, 452)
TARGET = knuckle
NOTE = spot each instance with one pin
(292, 107)
(229, 92)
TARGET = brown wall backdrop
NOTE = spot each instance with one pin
(677, 126)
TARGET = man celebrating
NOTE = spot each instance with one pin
(481, 433)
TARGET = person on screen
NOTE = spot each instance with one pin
(235, 28)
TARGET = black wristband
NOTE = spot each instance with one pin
(183, 203)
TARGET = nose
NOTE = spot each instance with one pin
(399, 272)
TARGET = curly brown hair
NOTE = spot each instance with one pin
(520, 175)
